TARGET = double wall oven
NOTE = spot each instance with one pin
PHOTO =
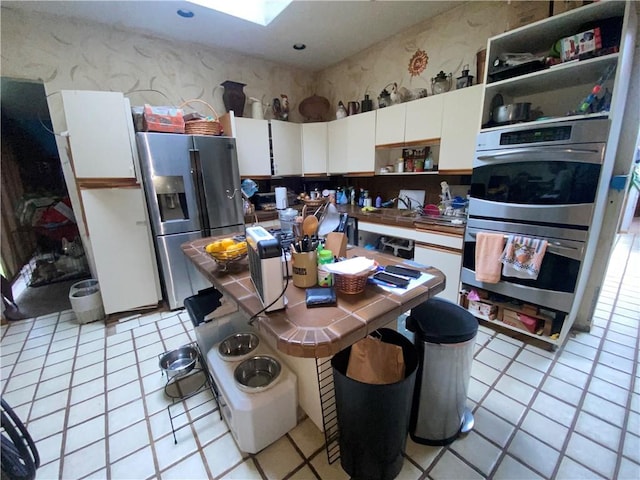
(543, 182)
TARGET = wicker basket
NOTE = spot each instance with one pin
(203, 127)
(316, 202)
(350, 284)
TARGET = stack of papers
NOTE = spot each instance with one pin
(412, 284)
(353, 266)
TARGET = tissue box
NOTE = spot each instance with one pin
(483, 309)
(163, 119)
(519, 320)
(574, 46)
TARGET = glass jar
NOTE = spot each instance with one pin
(408, 162)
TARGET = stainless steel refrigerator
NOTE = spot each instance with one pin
(192, 187)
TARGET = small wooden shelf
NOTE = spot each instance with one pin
(429, 172)
(553, 120)
(498, 317)
(583, 72)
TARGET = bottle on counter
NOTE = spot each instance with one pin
(361, 198)
(378, 201)
(353, 196)
(325, 278)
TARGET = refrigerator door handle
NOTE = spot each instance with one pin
(198, 183)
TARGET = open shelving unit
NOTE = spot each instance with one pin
(557, 90)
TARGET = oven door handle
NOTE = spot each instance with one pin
(553, 246)
(539, 151)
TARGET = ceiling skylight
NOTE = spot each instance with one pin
(261, 12)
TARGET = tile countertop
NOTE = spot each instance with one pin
(316, 332)
(384, 216)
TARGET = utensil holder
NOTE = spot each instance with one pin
(304, 269)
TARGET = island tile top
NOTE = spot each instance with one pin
(314, 332)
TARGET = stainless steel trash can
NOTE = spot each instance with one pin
(444, 336)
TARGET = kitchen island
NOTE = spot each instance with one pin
(308, 338)
(319, 332)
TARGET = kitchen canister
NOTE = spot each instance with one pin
(325, 278)
(304, 269)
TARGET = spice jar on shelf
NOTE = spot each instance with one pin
(408, 161)
(428, 161)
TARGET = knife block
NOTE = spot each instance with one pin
(337, 243)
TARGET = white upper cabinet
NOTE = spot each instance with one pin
(460, 126)
(337, 135)
(314, 148)
(423, 120)
(414, 121)
(390, 124)
(286, 140)
(98, 132)
(361, 143)
(252, 143)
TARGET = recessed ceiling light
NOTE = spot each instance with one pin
(185, 13)
(299, 46)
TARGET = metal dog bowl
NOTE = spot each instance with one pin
(257, 374)
(179, 361)
(238, 346)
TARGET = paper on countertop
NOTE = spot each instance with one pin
(412, 284)
(353, 266)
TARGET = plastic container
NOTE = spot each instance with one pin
(445, 336)
(86, 301)
(325, 278)
(373, 420)
(287, 219)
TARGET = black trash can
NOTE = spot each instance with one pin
(373, 420)
(445, 338)
(202, 304)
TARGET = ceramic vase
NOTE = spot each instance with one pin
(234, 97)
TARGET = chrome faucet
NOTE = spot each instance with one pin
(406, 201)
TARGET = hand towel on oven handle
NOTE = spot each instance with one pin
(489, 249)
(522, 257)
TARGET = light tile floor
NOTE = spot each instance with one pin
(93, 400)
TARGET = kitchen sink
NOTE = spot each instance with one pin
(448, 220)
(411, 214)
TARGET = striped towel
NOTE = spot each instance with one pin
(522, 257)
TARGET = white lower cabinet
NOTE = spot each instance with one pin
(431, 248)
(447, 261)
(122, 248)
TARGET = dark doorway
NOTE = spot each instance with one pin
(40, 245)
